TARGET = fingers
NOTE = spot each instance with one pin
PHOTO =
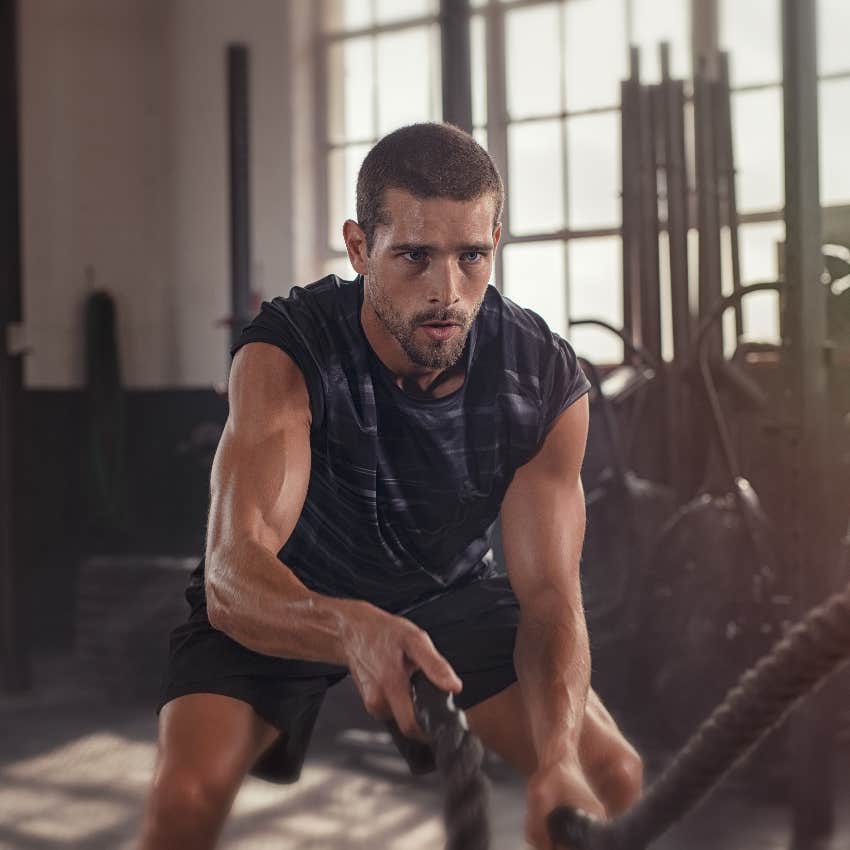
(421, 651)
(402, 708)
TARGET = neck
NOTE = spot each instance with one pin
(418, 381)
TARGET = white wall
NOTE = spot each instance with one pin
(124, 171)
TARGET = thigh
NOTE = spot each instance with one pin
(211, 739)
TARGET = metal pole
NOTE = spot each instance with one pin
(807, 402)
(240, 188)
(15, 672)
(630, 161)
(726, 176)
(457, 66)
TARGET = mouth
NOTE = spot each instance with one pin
(440, 330)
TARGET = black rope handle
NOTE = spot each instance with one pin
(458, 754)
(810, 651)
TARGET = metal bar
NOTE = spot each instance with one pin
(15, 673)
(456, 64)
(380, 29)
(677, 207)
(630, 162)
(726, 176)
(650, 294)
(497, 116)
(710, 290)
(807, 402)
(676, 186)
(238, 110)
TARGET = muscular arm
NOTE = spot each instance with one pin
(258, 486)
(543, 520)
(259, 482)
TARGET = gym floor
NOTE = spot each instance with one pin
(74, 772)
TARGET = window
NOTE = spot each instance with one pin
(559, 128)
(546, 80)
(382, 67)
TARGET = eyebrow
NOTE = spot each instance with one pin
(410, 246)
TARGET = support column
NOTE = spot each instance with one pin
(457, 67)
(14, 650)
(807, 407)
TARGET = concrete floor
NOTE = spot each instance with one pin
(74, 773)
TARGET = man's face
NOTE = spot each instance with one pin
(427, 272)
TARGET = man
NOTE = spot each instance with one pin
(376, 429)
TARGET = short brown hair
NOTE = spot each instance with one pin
(429, 161)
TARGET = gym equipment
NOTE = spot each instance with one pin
(624, 514)
(810, 652)
(458, 754)
(718, 550)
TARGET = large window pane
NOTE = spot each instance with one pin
(593, 148)
(833, 36)
(751, 32)
(535, 166)
(351, 116)
(534, 60)
(343, 165)
(757, 125)
(478, 65)
(654, 21)
(835, 141)
(758, 245)
(596, 292)
(595, 52)
(387, 11)
(405, 66)
(534, 278)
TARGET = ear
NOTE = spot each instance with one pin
(497, 235)
(355, 244)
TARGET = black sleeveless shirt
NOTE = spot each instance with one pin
(403, 491)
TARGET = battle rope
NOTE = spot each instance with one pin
(808, 653)
(458, 755)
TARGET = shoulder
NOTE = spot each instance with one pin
(324, 300)
(525, 336)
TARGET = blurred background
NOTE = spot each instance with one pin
(166, 165)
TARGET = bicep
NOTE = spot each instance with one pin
(543, 515)
(262, 466)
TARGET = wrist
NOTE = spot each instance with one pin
(557, 754)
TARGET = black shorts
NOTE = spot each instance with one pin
(473, 626)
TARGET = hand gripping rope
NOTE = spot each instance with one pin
(808, 653)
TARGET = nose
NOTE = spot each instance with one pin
(445, 289)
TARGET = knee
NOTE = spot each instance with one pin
(180, 796)
(621, 781)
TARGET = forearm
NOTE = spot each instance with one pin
(552, 658)
(261, 604)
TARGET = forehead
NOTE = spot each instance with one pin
(431, 220)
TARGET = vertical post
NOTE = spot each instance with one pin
(650, 292)
(497, 114)
(630, 162)
(677, 207)
(807, 402)
(457, 67)
(726, 177)
(710, 290)
(14, 654)
(238, 116)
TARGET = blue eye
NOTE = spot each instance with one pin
(471, 256)
(415, 256)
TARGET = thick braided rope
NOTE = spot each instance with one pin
(458, 754)
(808, 653)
